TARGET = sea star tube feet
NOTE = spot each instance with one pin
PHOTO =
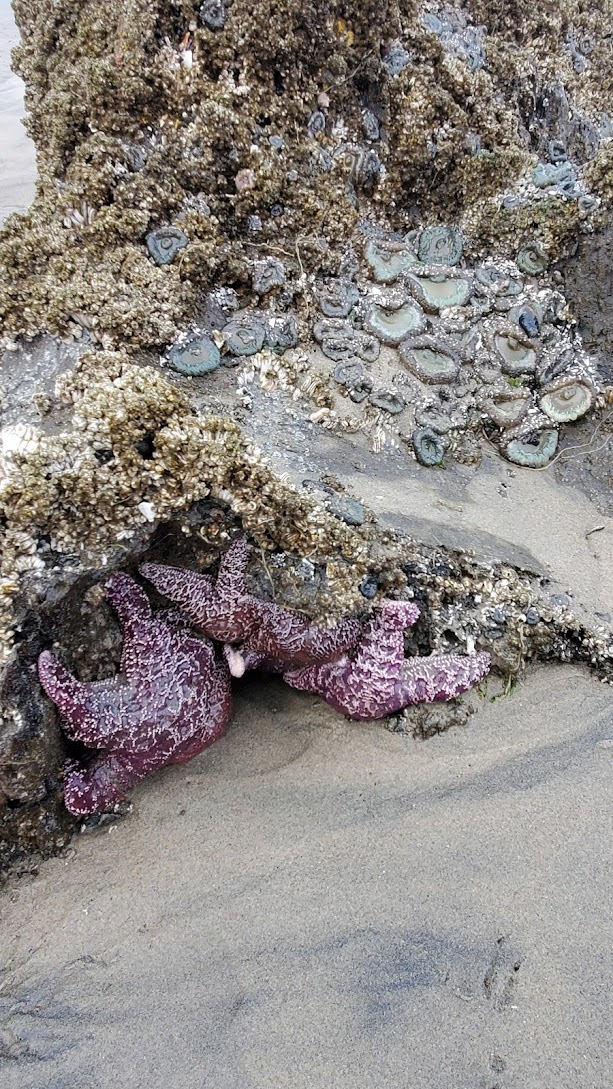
(375, 679)
(227, 612)
(174, 702)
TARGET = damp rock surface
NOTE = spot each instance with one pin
(258, 258)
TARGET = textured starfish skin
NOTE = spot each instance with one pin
(227, 612)
(175, 700)
(376, 680)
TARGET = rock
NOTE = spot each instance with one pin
(108, 457)
(213, 14)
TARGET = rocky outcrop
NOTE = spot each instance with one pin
(254, 258)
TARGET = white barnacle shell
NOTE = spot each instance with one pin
(28, 563)
(147, 510)
(16, 439)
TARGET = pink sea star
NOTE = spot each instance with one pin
(375, 679)
(174, 702)
(226, 611)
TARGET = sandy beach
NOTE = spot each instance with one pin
(318, 903)
(321, 904)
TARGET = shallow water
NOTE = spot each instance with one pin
(17, 161)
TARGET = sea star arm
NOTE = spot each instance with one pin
(361, 683)
(380, 650)
(71, 697)
(440, 677)
(134, 611)
(286, 637)
(129, 601)
(232, 568)
(102, 782)
(194, 592)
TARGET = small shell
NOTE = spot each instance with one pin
(148, 511)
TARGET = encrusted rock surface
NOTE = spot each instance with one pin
(148, 119)
(263, 195)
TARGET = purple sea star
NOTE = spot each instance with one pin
(227, 612)
(174, 702)
(375, 679)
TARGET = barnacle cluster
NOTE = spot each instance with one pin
(136, 454)
(396, 182)
(177, 143)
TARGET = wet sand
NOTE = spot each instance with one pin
(326, 905)
(317, 903)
